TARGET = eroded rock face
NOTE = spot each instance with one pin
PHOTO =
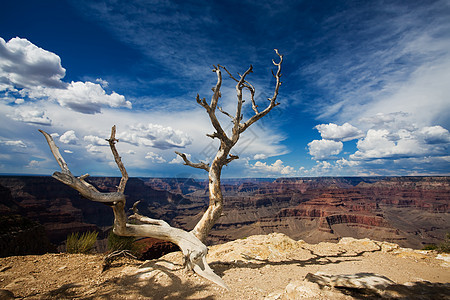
(61, 210)
(409, 211)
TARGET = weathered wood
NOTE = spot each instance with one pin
(193, 249)
(223, 156)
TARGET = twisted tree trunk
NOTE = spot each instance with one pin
(193, 249)
(223, 156)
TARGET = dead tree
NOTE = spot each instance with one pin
(193, 249)
(223, 156)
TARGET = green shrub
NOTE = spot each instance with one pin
(83, 243)
(442, 247)
(445, 245)
(117, 242)
(430, 247)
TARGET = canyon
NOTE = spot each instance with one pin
(409, 211)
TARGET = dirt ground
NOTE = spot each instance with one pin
(254, 268)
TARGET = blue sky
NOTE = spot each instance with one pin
(365, 85)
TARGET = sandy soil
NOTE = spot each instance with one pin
(253, 268)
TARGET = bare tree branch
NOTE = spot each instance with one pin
(246, 85)
(55, 151)
(231, 158)
(187, 162)
(216, 89)
(225, 113)
(112, 144)
(239, 86)
(273, 102)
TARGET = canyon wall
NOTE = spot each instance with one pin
(410, 211)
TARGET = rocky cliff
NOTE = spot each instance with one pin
(59, 210)
(410, 211)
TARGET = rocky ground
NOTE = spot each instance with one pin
(258, 267)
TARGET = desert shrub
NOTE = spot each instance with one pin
(83, 243)
(445, 245)
(442, 247)
(117, 242)
(430, 247)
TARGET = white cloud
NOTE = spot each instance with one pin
(383, 144)
(346, 132)
(13, 143)
(276, 168)
(435, 135)
(154, 157)
(68, 151)
(154, 135)
(324, 149)
(347, 163)
(33, 164)
(260, 156)
(25, 65)
(31, 115)
(69, 137)
(86, 97)
(38, 74)
(95, 140)
(93, 149)
(102, 82)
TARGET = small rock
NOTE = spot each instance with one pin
(274, 296)
(445, 257)
(388, 247)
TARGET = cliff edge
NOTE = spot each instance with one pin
(258, 267)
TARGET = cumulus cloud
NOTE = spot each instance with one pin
(25, 65)
(31, 115)
(276, 168)
(154, 157)
(154, 135)
(260, 156)
(383, 144)
(324, 149)
(93, 149)
(102, 82)
(86, 97)
(95, 140)
(435, 135)
(332, 131)
(33, 164)
(68, 137)
(37, 74)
